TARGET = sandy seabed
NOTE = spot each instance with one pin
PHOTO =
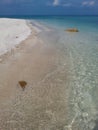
(43, 103)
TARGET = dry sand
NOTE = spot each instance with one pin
(43, 103)
(12, 32)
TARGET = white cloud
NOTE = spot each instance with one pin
(88, 3)
(92, 3)
(60, 3)
(85, 3)
(56, 2)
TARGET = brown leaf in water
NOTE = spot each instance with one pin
(22, 84)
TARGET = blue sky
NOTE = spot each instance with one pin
(50, 7)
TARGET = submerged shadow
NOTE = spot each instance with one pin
(96, 126)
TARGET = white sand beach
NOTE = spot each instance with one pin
(12, 32)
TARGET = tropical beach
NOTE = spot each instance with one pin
(48, 65)
(41, 86)
(35, 63)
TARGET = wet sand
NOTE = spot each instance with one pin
(43, 105)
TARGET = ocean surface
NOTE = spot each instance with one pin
(81, 50)
(82, 53)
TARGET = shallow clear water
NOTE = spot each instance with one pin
(82, 52)
(76, 54)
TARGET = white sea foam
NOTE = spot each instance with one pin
(12, 32)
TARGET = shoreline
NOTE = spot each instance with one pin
(45, 98)
(16, 52)
(33, 33)
(60, 70)
(14, 31)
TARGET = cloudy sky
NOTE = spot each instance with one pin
(48, 7)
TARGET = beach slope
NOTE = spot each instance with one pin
(12, 32)
(42, 105)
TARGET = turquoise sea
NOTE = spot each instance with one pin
(82, 53)
(79, 51)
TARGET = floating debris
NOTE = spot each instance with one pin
(72, 30)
